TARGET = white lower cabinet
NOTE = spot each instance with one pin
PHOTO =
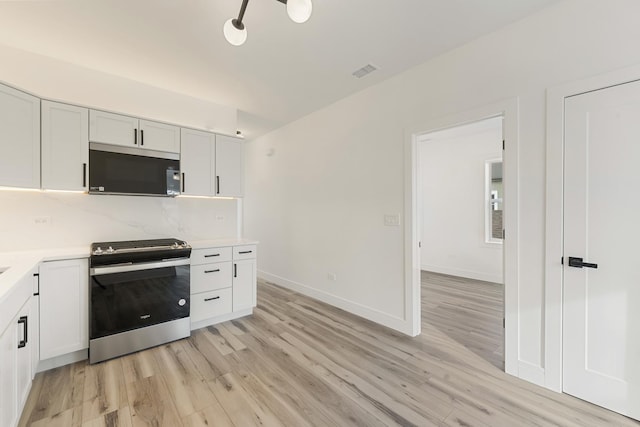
(207, 305)
(16, 348)
(223, 283)
(64, 307)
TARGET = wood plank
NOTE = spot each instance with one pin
(151, 404)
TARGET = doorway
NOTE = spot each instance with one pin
(508, 109)
(461, 200)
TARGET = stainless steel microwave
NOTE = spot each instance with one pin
(133, 171)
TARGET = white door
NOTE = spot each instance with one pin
(64, 307)
(19, 139)
(197, 162)
(109, 128)
(159, 136)
(244, 284)
(65, 146)
(601, 335)
(229, 166)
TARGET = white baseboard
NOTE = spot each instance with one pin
(65, 359)
(400, 325)
(531, 372)
(477, 275)
(214, 320)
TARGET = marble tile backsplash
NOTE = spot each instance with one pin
(31, 220)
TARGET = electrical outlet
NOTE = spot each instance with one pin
(392, 220)
(42, 220)
(332, 277)
(219, 217)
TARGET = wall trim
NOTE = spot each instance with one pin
(554, 211)
(368, 313)
(477, 275)
(509, 110)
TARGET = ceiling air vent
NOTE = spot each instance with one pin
(367, 69)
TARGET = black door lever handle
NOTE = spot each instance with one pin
(578, 263)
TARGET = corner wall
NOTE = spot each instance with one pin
(318, 188)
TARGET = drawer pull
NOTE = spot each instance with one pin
(212, 271)
(211, 299)
(209, 256)
(245, 252)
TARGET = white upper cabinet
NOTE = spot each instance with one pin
(159, 136)
(19, 139)
(65, 146)
(229, 166)
(197, 162)
(117, 129)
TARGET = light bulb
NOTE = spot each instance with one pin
(299, 10)
(234, 35)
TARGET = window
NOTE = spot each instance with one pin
(494, 194)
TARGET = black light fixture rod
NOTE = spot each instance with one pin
(243, 8)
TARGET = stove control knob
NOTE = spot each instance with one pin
(175, 245)
(182, 302)
(98, 251)
(110, 250)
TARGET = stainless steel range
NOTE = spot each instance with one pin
(139, 296)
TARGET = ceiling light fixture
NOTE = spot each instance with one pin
(235, 32)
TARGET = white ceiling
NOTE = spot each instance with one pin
(283, 72)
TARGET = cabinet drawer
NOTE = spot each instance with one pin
(244, 252)
(206, 305)
(209, 277)
(205, 256)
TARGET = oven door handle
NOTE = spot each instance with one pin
(110, 269)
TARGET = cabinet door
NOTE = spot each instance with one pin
(25, 336)
(19, 139)
(159, 136)
(197, 162)
(65, 146)
(8, 376)
(64, 302)
(109, 128)
(244, 284)
(229, 166)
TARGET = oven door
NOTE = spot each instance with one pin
(127, 297)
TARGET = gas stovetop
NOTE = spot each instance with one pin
(132, 251)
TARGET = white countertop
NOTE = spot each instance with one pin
(18, 264)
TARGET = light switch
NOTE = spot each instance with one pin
(392, 220)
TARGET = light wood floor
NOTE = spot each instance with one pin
(298, 362)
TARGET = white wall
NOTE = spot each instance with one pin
(36, 219)
(452, 169)
(317, 202)
(58, 80)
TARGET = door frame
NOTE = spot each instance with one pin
(509, 110)
(554, 234)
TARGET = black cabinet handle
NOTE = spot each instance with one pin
(577, 262)
(209, 256)
(141, 136)
(212, 271)
(217, 184)
(84, 174)
(37, 276)
(211, 299)
(245, 252)
(23, 321)
(135, 136)
(183, 184)
(235, 270)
